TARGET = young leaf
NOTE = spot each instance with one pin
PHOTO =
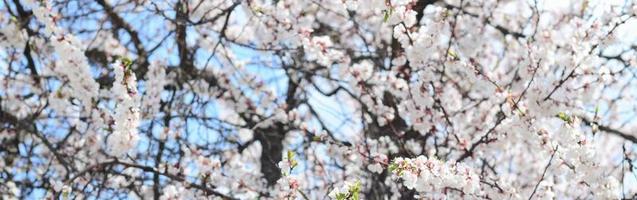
(354, 190)
(293, 162)
(392, 167)
(452, 54)
(387, 14)
(127, 62)
(564, 117)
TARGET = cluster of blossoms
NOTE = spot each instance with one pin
(348, 190)
(431, 176)
(287, 186)
(378, 151)
(321, 50)
(399, 11)
(127, 114)
(173, 192)
(72, 65)
(12, 36)
(13, 191)
(578, 154)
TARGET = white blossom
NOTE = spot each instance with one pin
(127, 117)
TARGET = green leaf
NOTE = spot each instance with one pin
(452, 54)
(65, 195)
(258, 10)
(354, 190)
(392, 167)
(293, 162)
(127, 62)
(596, 109)
(58, 93)
(290, 155)
(564, 117)
(447, 13)
(387, 14)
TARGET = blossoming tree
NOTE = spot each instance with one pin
(318, 99)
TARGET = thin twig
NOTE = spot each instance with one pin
(544, 173)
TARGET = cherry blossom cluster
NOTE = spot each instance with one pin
(348, 190)
(127, 113)
(433, 176)
(72, 65)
